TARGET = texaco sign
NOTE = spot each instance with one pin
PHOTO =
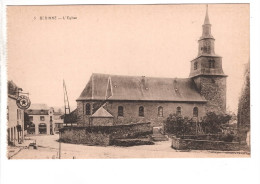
(23, 102)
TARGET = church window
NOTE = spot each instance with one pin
(120, 111)
(88, 111)
(160, 111)
(141, 111)
(178, 111)
(211, 63)
(195, 112)
(195, 65)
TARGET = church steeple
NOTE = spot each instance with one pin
(206, 71)
(206, 21)
(206, 41)
(207, 62)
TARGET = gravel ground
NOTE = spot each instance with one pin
(48, 148)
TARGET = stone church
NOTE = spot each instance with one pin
(132, 99)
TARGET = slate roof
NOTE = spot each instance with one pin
(101, 112)
(38, 109)
(37, 112)
(140, 88)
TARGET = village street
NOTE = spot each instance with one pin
(48, 148)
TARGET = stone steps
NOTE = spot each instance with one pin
(159, 137)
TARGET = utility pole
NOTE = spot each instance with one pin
(59, 145)
(66, 103)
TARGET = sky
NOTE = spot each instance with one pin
(142, 40)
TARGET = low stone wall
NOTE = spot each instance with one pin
(194, 144)
(131, 130)
(82, 136)
(211, 137)
(103, 135)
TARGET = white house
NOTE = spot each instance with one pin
(15, 116)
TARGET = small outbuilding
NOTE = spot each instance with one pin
(101, 118)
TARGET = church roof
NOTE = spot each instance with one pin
(140, 88)
(101, 112)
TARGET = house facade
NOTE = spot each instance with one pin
(132, 99)
(41, 119)
(15, 116)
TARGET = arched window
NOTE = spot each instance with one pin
(195, 65)
(195, 112)
(211, 63)
(160, 111)
(88, 111)
(120, 111)
(141, 111)
(178, 111)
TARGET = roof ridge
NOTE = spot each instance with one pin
(117, 75)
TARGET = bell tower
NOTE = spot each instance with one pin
(206, 71)
(206, 41)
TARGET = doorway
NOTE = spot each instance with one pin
(42, 128)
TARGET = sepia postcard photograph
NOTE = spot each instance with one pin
(128, 81)
(104, 92)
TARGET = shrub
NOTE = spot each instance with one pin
(177, 125)
(212, 122)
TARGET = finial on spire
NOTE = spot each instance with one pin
(206, 21)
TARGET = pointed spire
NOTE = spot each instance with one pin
(206, 21)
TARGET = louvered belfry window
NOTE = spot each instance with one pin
(211, 63)
(195, 65)
(88, 111)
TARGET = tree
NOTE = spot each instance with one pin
(177, 125)
(213, 122)
(71, 118)
(243, 115)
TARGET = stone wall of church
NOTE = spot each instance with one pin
(101, 121)
(80, 110)
(213, 88)
(131, 111)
